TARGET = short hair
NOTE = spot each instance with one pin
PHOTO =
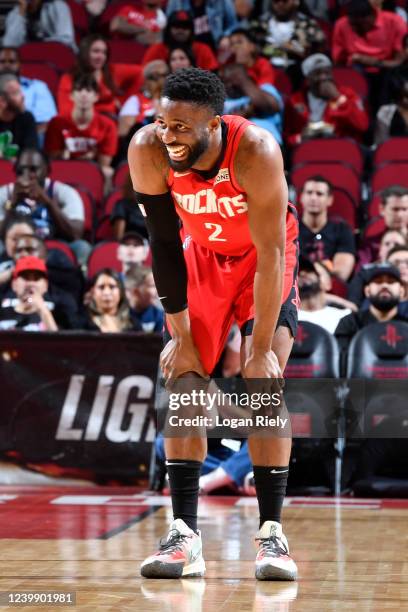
(196, 86)
(39, 152)
(15, 219)
(397, 191)
(359, 8)
(397, 249)
(85, 81)
(8, 77)
(136, 276)
(318, 178)
(249, 34)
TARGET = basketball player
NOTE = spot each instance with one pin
(223, 177)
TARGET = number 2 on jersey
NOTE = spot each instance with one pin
(217, 231)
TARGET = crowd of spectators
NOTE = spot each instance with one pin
(302, 69)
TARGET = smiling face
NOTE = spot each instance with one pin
(185, 130)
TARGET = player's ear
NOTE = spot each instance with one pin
(214, 123)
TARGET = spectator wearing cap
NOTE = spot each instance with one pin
(394, 210)
(28, 310)
(390, 239)
(179, 32)
(39, 20)
(321, 108)
(320, 238)
(126, 215)
(38, 99)
(142, 296)
(60, 293)
(132, 250)
(314, 305)
(143, 23)
(211, 18)
(384, 292)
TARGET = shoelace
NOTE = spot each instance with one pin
(272, 545)
(173, 542)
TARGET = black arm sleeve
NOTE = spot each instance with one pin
(169, 267)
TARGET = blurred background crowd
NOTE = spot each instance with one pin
(329, 79)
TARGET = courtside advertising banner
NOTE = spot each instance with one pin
(79, 401)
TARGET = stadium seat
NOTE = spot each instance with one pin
(56, 53)
(104, 229)
(121, 175)
(314, 355)
(373, 208)
(43, 72)
(351, 78)
(283, 82)
(126, 51)
(389, 174)
(7, 174)
(62, 246)
(104, 255)
(392, 150)
(374, 227)
(90, 213)
(80, 173)
(323, 150)
(339, 174)
(379, 352)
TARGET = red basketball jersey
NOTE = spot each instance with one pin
(214, 211)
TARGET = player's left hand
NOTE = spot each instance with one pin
(263, 364)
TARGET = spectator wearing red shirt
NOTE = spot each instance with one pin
(85, 134)
(321, 108)
(368, 37)
(372, 40)
(244, 51)
(143, 23)
(116, 82)
(179, 32)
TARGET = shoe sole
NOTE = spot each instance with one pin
(158, 569)
(274, 573)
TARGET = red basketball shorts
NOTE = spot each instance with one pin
(220, 291)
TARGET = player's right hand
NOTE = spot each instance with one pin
(178, 357)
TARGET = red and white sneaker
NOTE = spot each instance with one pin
(273, 561)
(179, 555)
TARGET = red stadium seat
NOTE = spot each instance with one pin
(104, 230)
(7, 174)
(89, 211)
(62, 246)
(283, 82)
(126, 51)
(374, 227)
(121, 175)
(373, 209)
(43, 72)
(339, 174)
(351, 78)
(389, 174)
(392, 150)
(80, 173)
(104, 255)
(329, 150)
(56, 53)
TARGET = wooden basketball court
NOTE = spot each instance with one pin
(352, 554)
